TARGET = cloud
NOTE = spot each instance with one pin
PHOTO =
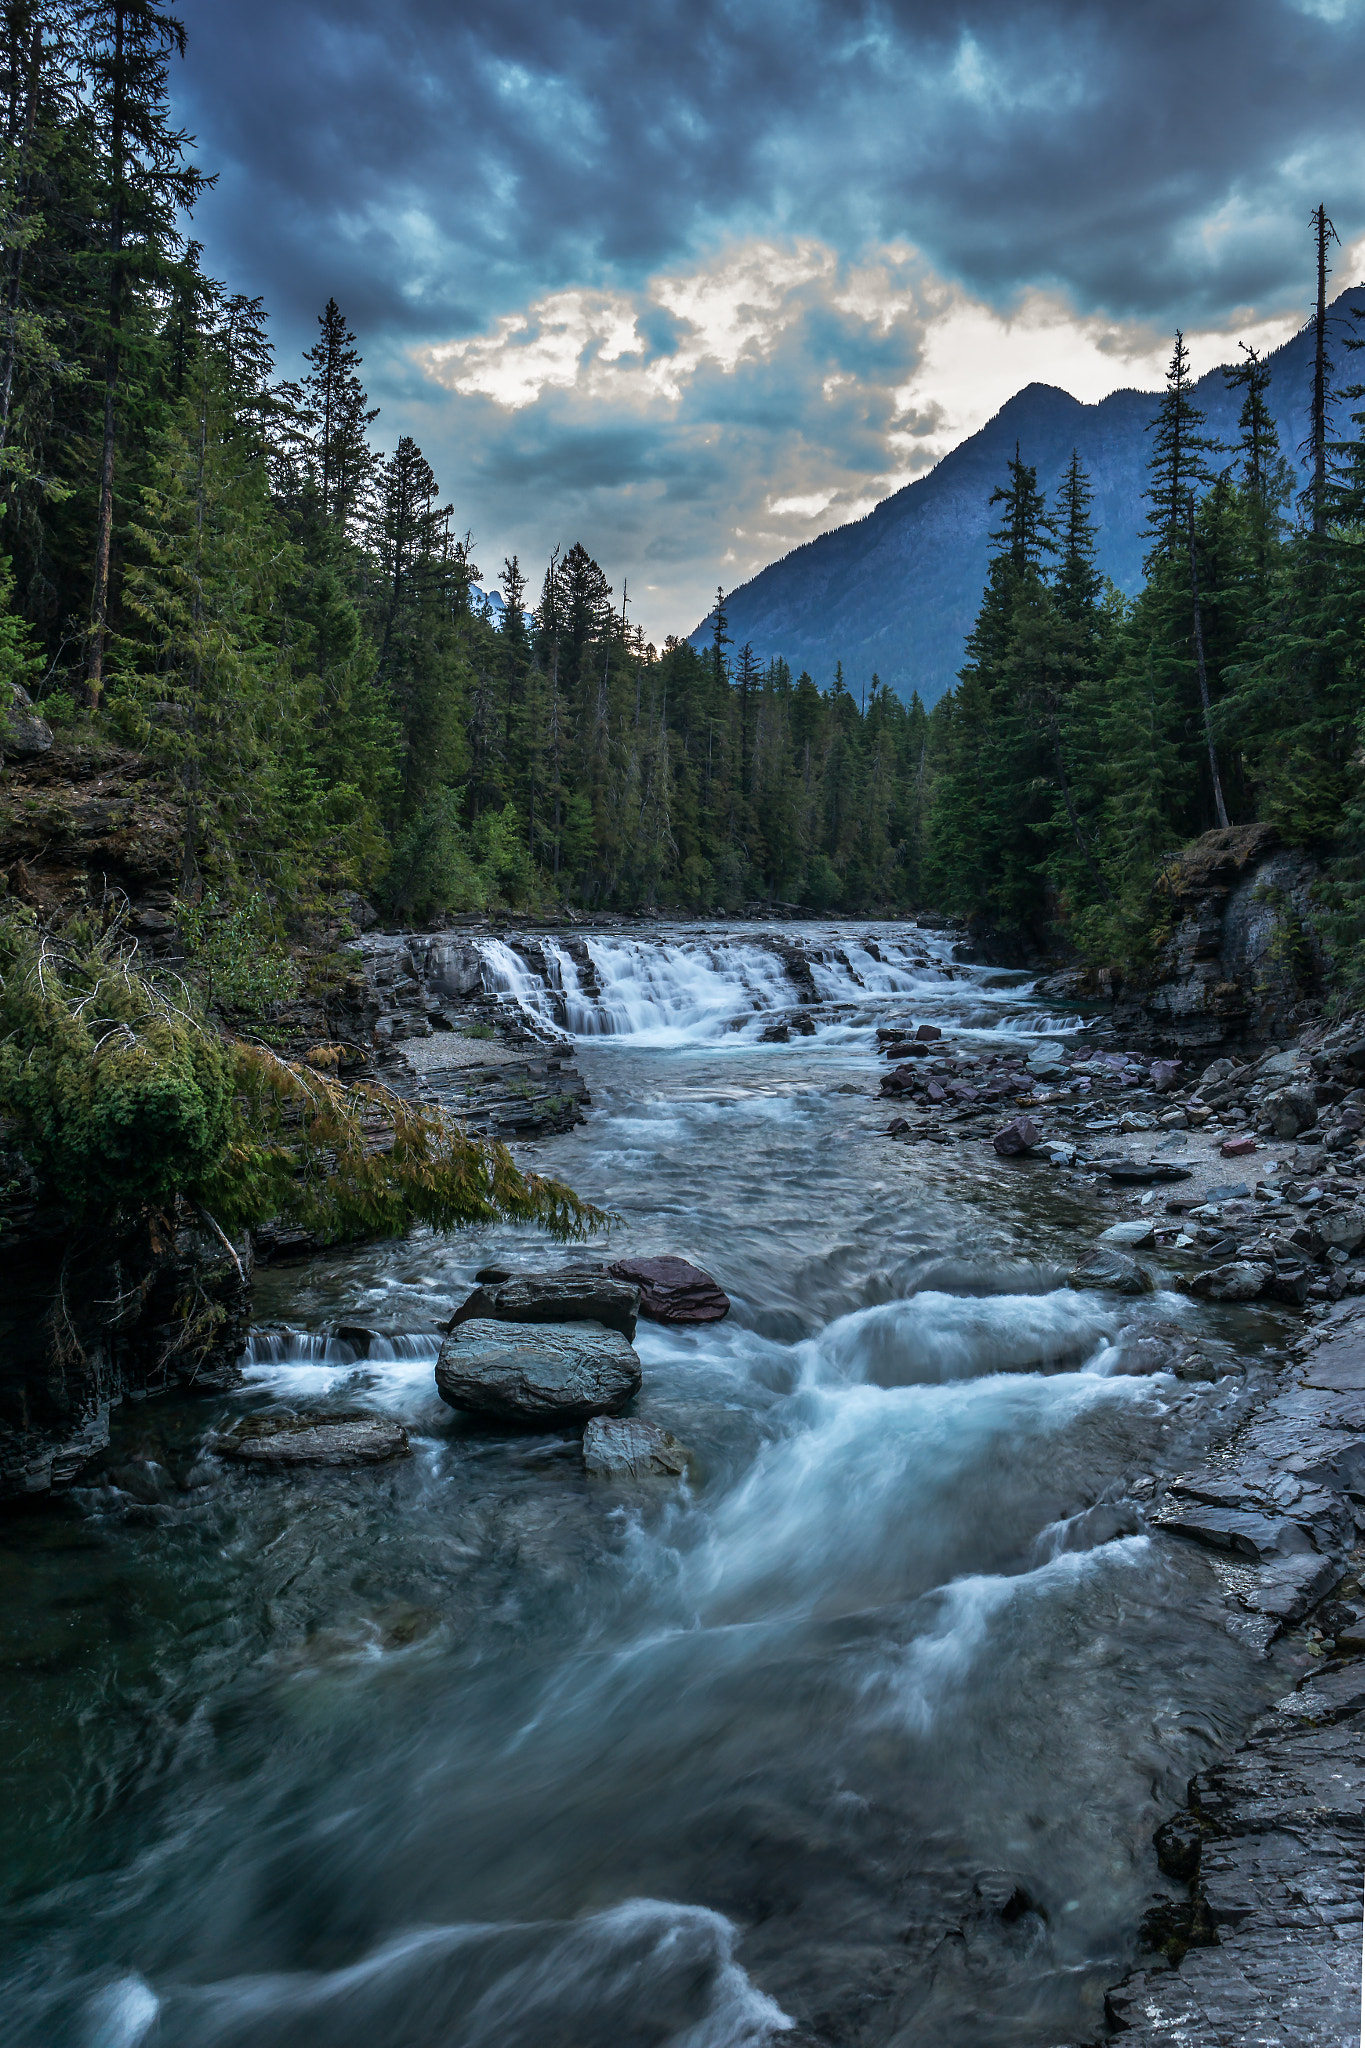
(786, 392)
(697, 282)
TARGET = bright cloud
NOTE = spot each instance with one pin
(723, 413)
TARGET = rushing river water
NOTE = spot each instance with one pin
(858, 1736)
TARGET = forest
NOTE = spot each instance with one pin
(210, 560)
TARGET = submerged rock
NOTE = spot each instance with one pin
(572, 1297)
(274, 1441)
(625, 1448)
(672, 1291)
(538, 1375)
(1112, 1270)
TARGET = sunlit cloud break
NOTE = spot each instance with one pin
(774, 391)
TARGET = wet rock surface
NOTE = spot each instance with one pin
(593, 1296)
(1272, 1847)
(537, 1376)
(274, 1442)
(623, 1448)
(672, 1291)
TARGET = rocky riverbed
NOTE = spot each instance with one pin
(845, 1683)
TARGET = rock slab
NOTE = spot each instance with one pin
(554, 1298)
(537, 1375)
(622, 1448)
(272, 1442)
(672, 1291)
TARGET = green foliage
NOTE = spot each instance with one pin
(346, 1162)
(235, 955)
(112, 1086)
(124, 1098)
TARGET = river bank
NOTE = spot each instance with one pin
(860, 1731)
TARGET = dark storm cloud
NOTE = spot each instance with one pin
(445, 159)
(686, 278)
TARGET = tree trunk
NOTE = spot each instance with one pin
(1325, 233)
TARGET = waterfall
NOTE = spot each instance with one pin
(665, 990)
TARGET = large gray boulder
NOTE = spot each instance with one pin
(572, 1297)
(540, 1375)
(1292, 1110)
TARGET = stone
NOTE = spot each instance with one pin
(271, 1442)
(1237, 1148)
(927, 1033)
(1142, 1171)
(540, 1375)
(1163, 1075)
(1020, 1135)
(625, 1448)
(1130, 1236)
(672, 1291)
(1111, 1270)
(572, 1297)
(1291, 1110)
(23, 734)
(1343, 1227)
(1239, 1280)
(1239, 1530)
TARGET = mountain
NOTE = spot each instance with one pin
(898, 592)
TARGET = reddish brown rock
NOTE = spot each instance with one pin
(1020, 1135)
(671, 1291)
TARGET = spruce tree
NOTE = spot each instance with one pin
(147, 183)
(340, 416)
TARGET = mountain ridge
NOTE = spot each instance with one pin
(897, 591)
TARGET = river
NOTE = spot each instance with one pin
(859, 1735)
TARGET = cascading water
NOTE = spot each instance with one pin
(862, 1727)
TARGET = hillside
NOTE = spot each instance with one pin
(897, 591)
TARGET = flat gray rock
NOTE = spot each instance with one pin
(1239, 1530)
(572, 1297)
(1129, 1237)
(622, 1448)
(271, 1442)
(539, 1375)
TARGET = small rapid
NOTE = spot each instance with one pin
(857, 1731)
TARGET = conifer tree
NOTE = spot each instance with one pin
(147, 183)
(341, 416)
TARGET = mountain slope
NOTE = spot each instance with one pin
(897, 592)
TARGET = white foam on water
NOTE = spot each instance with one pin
(393, 1377)
(934, 1337)
(644, 1969)
(122, 2015)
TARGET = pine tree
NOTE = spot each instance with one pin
(340, 415)
(1176, 466)
(147, 185)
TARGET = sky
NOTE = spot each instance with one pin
(693, 281)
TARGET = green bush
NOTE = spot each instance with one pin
(236, 956)
(114, 1090)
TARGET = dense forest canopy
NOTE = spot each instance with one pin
(210, 559)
